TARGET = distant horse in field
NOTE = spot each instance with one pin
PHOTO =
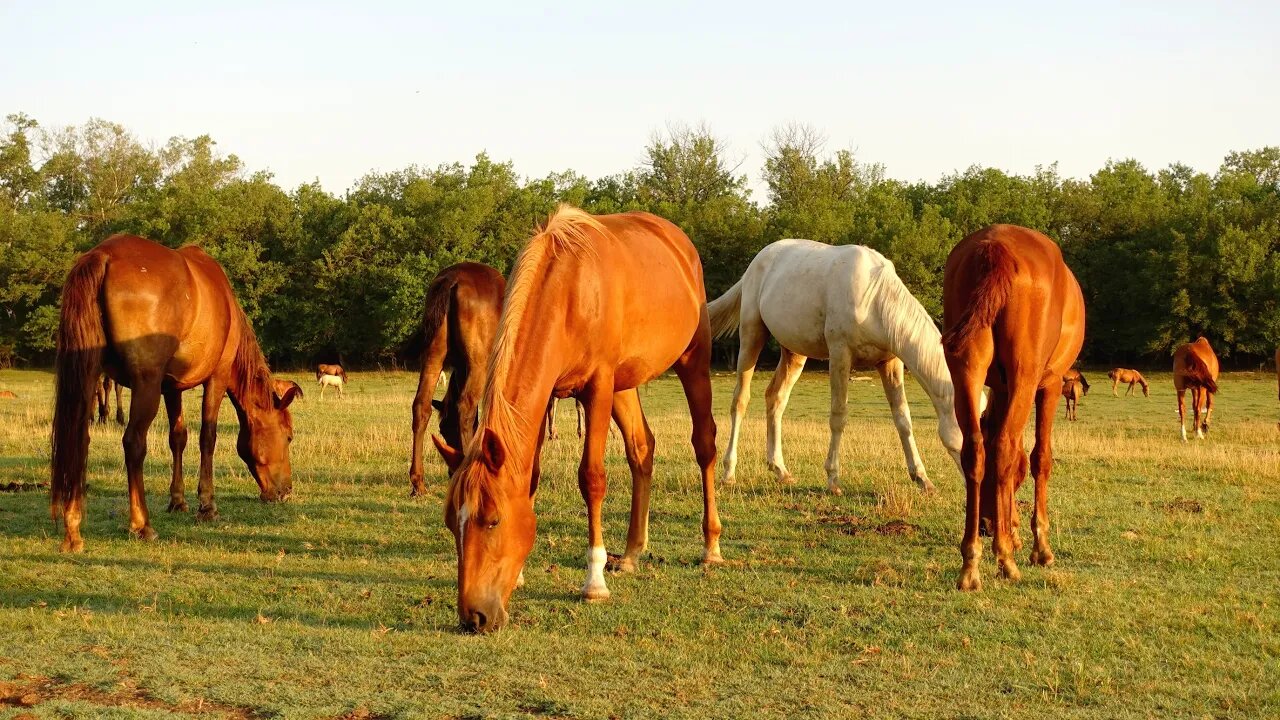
(459, 322)
(1195, 366)
(1077, 376)
(103, 396)
(1072, 390)
(1014, 319)
(845, 303)
(551, 419)
(8, 395)
(596, 307)
(327, 380)
(1132, 377)
(159, 322)
(335, 370)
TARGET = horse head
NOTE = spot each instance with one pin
(263, 444)
(490, 513)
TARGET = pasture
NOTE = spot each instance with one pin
(340, 603)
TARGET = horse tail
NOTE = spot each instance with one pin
(1198, 372)
(995, 267)
(725, 312)
(81, 340)
(436, 313)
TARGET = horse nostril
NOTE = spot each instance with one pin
(479, 620)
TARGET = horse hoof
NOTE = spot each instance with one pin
(145, 533)
(595, 594)
(712, 558)
(177, 506)
(731, 480)
(969, 582)
(625, 565)
(1009, 571)
(73, 546)
(1043, 558)
(835, 490)
(787, 479)
(206, 514)
(925, 484)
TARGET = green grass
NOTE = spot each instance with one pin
(1163, 602)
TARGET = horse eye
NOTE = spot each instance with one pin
(492, 524)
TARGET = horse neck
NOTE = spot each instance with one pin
(916, 341)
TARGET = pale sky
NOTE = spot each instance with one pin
(331, 91)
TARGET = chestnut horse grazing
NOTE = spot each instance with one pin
(1074, 375)
(103, 393)
(1072, 390)
(1195, 366)
(596, 306)
(1132, 377)
(159, 322)
(459, 322)
(1014, 319)
(335, 370)
(845, 303)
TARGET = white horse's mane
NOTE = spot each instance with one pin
(912, 334)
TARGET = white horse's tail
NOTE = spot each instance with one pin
(725, 312)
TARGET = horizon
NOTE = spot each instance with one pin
(331, 94)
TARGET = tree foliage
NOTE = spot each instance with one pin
(1161, 255)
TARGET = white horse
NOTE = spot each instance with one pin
(845, 303)
(326, 381)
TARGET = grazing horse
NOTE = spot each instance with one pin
(1077, 376)
(325, 380)
(1195, 366)
(1014, 319)
(596, 306)
(1132, 377)
(103, 395)
(159, 322)
(335, 370)
(459, 322)
(845, 303)
(1072, 390)
(8, 395)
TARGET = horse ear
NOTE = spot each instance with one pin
(492, 452)
(452, 458)
(286, 391)
(438, 405)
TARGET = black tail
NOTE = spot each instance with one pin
(81, 340)
(434, 315)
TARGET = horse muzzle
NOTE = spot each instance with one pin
(483, 618)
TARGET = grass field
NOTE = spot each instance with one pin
(340, 603)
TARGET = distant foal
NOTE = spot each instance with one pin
(1072, 390)
(1132, 377)
(1077, 376)
(1014, 321)
(1195, 366)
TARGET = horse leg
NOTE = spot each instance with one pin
(694, 370)
(593, 482)
(577, 406)
(550, 419)
(1182, 413)
(638, 440)
(119, 404)
(1114, 383)
(776, 397)
(751, 338)
(1041, 466)
(428, 379)
(1011, 465)
(177, 445)
(892, 375)
(968, 373)
(840, 366)
(102, 393)
(469, 406)
(1196, 403)
(209, 407)
(1208, 413)
(142, 410)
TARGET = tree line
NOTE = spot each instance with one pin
(1161, 256)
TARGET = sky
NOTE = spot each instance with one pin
(331, 91)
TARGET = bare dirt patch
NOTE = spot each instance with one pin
(30, 690)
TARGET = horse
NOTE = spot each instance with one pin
(1195, 366)
(103, 396)
(159, 322)
(551, 419)
(596, 306)
(459, 322)
(1132, 377)
(335, 370)
(1014, 320)
(1072, 390)
(1076, 376)
(326, 380)
(8, 395)
(845, 303)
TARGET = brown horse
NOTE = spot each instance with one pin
(596, 307)
(159, 322)
(1014, 321)
(8, 395)
(459, 322)
(1072, 390)
(334, 370)
(1076, 376)
(1132, 377)
(1195, 366)
(103, 394)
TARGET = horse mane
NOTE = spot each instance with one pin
(566, 230)
(911, 331)
(250, 376)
